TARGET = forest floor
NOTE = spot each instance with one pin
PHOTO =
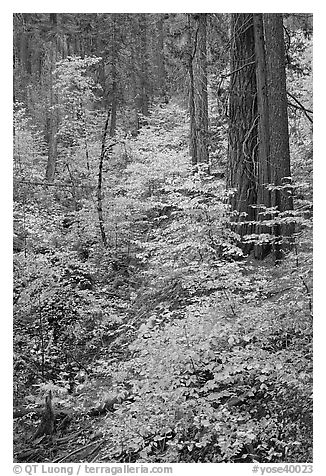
(83, 436)
(170, 345)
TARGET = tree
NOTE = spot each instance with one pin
(125, 265)
(279, 149)
(264, 172)
(242, 149)
(192, 110)
(53, 115)
(200, 84)
(142, 70)
(259, 157)
(274, 152)
(159, 58)
(114, 89)
(198, 102)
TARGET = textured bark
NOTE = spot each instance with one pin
(264, 172)
(277, 102)
(258, 105)
(200, 88)
(198, 102)
(242, 152)
(279, 150)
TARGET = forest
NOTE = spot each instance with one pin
(162, 237)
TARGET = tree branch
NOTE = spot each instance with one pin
(48, 184)
(239, 69)
(300, 106)
(104, 150)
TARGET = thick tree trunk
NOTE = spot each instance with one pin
(258, 105)
(274, 148)
(264, 171)
(279, 130)
(242, 151)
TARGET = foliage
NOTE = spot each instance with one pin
(221, 349)
(76, 90)
(230, 381)
(194, 351)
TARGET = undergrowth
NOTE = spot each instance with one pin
(203, 353)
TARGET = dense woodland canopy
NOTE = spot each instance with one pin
(162, 237)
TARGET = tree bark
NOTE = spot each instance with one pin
(274, 149)
(277, 101)
(258, 105)
(264, 172)
(200, 88)
(242, 150)
(198, 100)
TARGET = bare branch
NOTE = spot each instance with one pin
(300, 106)
(48, 184)
(239, 69)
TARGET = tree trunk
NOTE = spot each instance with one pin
(139, 65)
(260, 180)
(192, 113)
(46, 426)
(134, 81)
(274, 151)
(144, 99)
(100, 182)
(276, 84)
(200, 88)
(242, 151)
(161, 74)
(114, 104)
(264, 172)
(114, 92)
(25, 52)
(53, 119)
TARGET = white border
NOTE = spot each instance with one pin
(319, 194)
